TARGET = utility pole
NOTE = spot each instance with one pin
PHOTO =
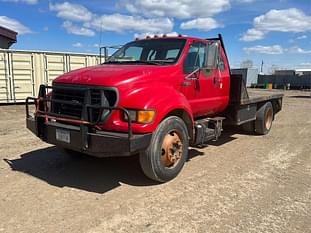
(261, 67)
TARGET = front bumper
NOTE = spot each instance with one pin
(83, 134)
(99, 143)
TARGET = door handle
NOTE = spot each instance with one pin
(186, 84)
(216, 80)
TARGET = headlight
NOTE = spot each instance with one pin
(48, 102)
(132, 114)
(140, 116)
(48, 106)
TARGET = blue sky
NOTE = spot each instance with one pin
(277, 32)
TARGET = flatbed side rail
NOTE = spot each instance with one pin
(259, 99)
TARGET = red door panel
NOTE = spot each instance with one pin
(207, 91)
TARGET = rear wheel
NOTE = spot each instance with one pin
(167, 152)
(264, 118)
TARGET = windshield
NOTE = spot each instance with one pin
(164, 51)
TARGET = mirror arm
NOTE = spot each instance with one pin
(188, 77)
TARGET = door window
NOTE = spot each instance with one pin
(195, 58)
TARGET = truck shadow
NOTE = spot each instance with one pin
(83, 172)
(300, 97)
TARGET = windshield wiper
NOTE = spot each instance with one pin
(147, 62)
(112, 62)
(165, 61)
(133, 62)
(155, 62)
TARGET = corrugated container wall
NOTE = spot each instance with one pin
(281, 81)
(22, 72)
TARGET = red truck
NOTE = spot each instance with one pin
(156, 97)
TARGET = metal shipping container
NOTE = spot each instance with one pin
(22, 72)
(280, 81)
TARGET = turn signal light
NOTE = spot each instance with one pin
(141, 116)
(145, 117)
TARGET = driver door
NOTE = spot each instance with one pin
(201, 84)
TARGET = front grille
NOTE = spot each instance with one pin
(96, 96)
(69, 101)
(74, 109)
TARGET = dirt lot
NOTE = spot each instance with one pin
(242, 183)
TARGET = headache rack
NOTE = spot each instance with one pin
(83, 107)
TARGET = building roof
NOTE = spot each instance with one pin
(303, 70)
(5, 32)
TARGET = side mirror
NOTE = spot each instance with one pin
(212, 56)
(221, 65)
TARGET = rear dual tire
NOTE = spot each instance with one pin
(263, 123)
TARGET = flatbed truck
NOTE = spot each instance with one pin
(155, 96)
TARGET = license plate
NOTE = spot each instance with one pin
(63, 135)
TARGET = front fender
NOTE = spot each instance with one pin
(162, 99)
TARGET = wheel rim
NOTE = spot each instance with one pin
(171, 150)
(269, 117)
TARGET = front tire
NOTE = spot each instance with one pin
(167, 152)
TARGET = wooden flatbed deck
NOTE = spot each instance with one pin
(260, 95)
(245, 102)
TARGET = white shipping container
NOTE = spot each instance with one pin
(22, 72)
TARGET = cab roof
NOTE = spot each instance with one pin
(188, 38)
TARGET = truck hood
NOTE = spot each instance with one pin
(112, 75)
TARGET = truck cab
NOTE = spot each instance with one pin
(154, 97)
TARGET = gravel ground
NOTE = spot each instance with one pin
(242, 183)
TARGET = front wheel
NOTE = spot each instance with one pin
(167, 152)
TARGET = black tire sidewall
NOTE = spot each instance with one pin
(260, 124)
(161, 172)
(249, 127)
